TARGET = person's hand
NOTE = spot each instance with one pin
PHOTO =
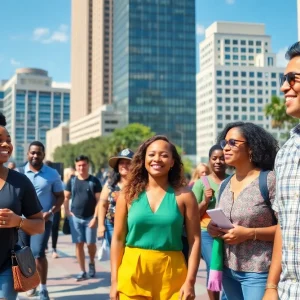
(271, 294)
(93, 223)
(208, 194)
(47, 215)
(213, 230)
(114, 295)
(187, 291)
(8, 219)
(101, 231)
(236, 235)
(68, 213)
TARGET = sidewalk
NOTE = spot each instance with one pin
(62, 273)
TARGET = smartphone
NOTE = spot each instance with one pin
(218, 217)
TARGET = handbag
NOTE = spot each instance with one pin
(66, 226)
(25, 274)
(104, 250)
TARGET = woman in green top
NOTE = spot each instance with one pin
(205, 190)
(146, 257)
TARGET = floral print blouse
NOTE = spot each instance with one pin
(249, 210)
(114, 192)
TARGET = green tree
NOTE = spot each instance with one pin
(277, 111)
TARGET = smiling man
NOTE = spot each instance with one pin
(284, 277)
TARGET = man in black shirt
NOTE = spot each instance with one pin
(84, 190)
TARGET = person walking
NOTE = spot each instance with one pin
(205, 190)
(19, 208)
(84, 189)
(109, 195)
(245, 199)
(49, 189)
(284, 276)
(146, 257)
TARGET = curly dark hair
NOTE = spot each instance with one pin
(262, 144)
(2, 120)
(138, 175)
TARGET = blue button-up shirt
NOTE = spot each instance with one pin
(46, 182)
(287, 204)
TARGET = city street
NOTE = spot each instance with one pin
(62, 272)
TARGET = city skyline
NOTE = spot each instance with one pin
(38, 34)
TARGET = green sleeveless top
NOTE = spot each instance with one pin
(161, 230)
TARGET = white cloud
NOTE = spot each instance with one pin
(200, 30)
(40, 33)
(45, 36)
(14, 62)
(230, 2)
(280, 57)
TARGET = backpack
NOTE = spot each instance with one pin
(263, 187)
(73, 181)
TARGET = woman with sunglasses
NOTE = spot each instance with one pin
(205, 191)
(248, 246)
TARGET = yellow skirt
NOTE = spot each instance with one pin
(151, 274)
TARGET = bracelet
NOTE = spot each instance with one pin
(271, 286)
(21, 223)
(254, 239)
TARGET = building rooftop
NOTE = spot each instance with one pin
(32, 71)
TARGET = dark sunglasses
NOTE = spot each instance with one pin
(289, 77)
(231, 143)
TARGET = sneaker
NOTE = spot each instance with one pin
(44, 295)
(31, 293)
(54, 254)
(81, 276)
(92, 270)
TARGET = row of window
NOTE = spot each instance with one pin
(236, 57)
(248, 74)
(244, 82)
(243, 100)
(243, 50)
(238, 108)
(245, 91)
(242, 118)
(243, 42)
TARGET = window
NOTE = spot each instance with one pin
(227, 73)
(244, 74)
(252, 118)
(258, 43)
(259, 74)
(235, 82)
(220, 125)
(244, 100)
(260, 118)
(235, 108)
(244, 92)
(260, 100)
(227, 82)
(219, 73)
(228, 117)
(227, 49)
(259, 92)
(259, 83)
(227, 100)
(234, 42)
(251, 50)
(243, 50)
(270, 61)
(235, 49)
(227, 56)
(274, 92)
(252, 100)
(251, 74)
(250, 43)
(244, 118)
(243, 57)
(219, 82)
(243, 42)
(235, 117)
(273, 84)
(227, 108)
(227, 42)
(244, 108)
(235, 57)
(220, 117)
(227, 91)
(252, 109)
(236, 100)
(219, 99)
(273, 75)
(251, 57)
(219, 91)
(235, 92)
(243, 82)
(251, 82)
(220, 108)
(259, 109)
(235, 74)
(258, 50)
(251, 92)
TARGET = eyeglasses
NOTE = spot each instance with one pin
(231, 143)
(289, 77)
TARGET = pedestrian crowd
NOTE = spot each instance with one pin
(239, 213)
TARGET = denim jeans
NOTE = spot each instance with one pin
(244, 285)
(109, 231)
(7, 291)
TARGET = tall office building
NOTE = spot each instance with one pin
(238, 76)
(154, 67)
(91, 56)
(32, 104)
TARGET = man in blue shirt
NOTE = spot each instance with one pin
(49, 188)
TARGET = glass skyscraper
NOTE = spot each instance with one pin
(154, 67)
(32, 105)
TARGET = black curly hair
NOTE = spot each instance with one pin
(2, 120)
(262, 144)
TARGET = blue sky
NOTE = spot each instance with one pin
(36, 33)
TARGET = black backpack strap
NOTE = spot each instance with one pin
(223, 186)
(264, 190)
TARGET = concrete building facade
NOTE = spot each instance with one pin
(237, 78)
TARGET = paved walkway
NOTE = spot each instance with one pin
(62, 273)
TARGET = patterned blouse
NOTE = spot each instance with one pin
(114, 192)
(249, 210)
